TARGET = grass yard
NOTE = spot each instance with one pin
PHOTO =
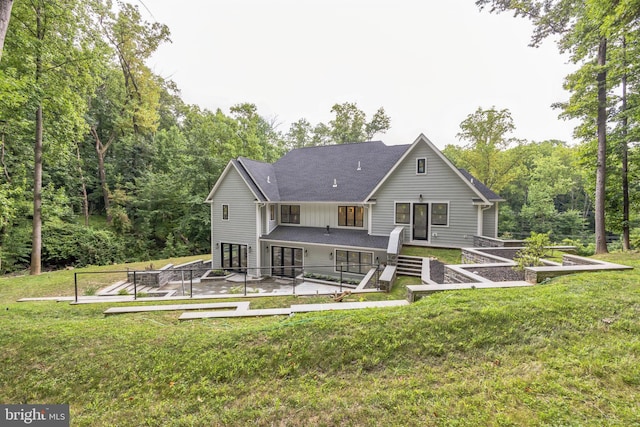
(563, 353)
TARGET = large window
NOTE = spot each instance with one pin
(234, 256)
(350, 216)
(225, 212)
(439, 214)
(354, 262)
(403, 213)
(290, 214)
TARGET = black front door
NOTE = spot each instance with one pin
(420, 221)
(286, 261)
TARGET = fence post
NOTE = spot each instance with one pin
(75, 283)
(190, 283)
(340, 278)
(245, 282)
(135, 286)
(294, 281)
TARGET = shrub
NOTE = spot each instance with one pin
(65, 244)
(534, 250)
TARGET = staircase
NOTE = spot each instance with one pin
(409, 265)
(126, 288)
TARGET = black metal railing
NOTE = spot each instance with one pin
(154, 278)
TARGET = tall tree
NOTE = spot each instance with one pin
(488, 136)
(133, 41)
(581, 27)
(52, 48)
(5, 15)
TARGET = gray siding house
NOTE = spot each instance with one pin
(344, 208)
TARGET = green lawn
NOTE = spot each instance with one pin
(563, 353)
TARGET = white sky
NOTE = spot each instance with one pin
(429, 63)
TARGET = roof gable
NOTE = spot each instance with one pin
(424, 140)
(234, 165)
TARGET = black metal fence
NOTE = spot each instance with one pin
(337, 276)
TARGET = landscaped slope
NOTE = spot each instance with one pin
(563, 353)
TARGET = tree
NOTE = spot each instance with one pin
(349, 125)
(5, 15)
(52, 49)
(486, 155)
(131, 101)
(581, 27)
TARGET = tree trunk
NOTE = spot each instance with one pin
(36, 241)
(101, 151)
(624, 148)
(5, 14)
(85, 198)
(601, 165)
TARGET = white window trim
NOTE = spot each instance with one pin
(395, 207)
(431, 203)
(425, 165)
(228, 212)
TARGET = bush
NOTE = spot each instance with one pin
(65, 244)
(535, 248)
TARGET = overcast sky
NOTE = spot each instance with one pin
(428, 63)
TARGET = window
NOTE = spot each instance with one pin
(225, 212)
(421, 166)
(439, 214)
(350, 216)
(234, 256)
(354, 262)
(403, 213)
(272, 212)
(290, 214)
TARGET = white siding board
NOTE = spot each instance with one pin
(241, 226)
(439, 184)
(489, 223)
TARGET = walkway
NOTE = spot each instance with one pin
(241, 309)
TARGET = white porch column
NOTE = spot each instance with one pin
(258, 252)
(480, 223)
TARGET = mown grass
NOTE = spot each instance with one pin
(563, 353)
(447, 256)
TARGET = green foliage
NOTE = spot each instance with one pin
(348, 125)
(66, 244)
(535, 248)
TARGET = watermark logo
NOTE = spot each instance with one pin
(34, 415)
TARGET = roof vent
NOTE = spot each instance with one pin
(359, 167)
(268, 179)
(335, 183)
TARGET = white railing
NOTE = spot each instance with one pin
(396, 239)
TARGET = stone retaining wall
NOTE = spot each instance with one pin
(490, 242)
(168, 273)
(452, 275)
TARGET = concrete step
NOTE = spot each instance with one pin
(409, 265)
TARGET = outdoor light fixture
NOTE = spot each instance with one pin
(420, 197)
(331, 255)
(249, 249)
(306, 252)
(217, 245)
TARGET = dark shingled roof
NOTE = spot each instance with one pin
(264, 175)
(483, 189)
(308, 174)
(250, 182)
(336, 237)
